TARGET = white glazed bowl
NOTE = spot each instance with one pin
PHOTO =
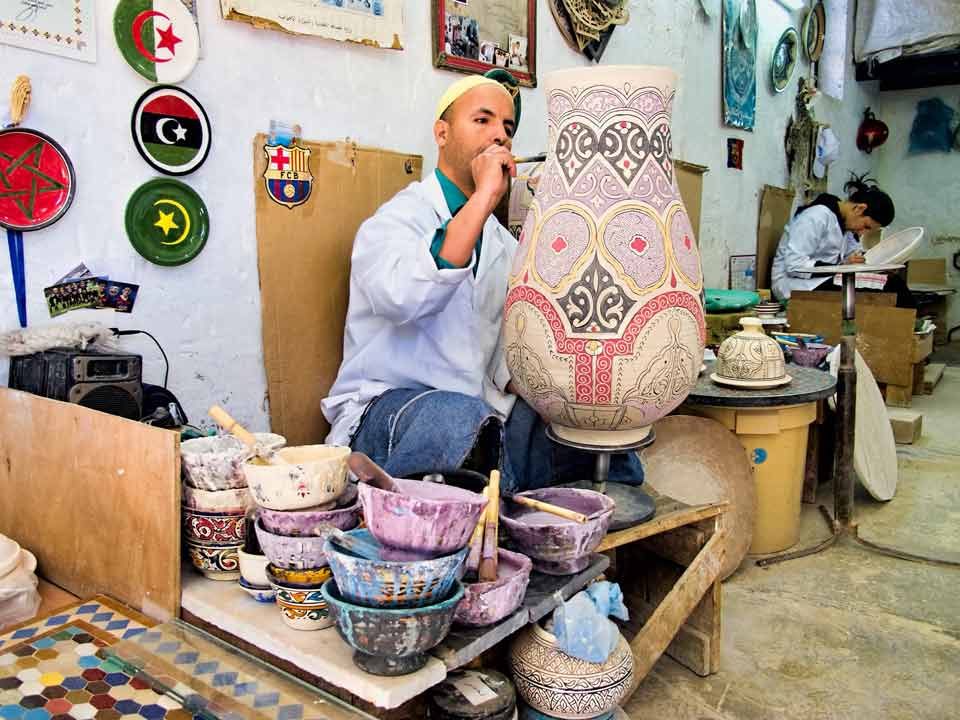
(253, 568)
(9, 555)
(232, 500)
(313, 475)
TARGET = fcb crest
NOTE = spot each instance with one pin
(287, 176)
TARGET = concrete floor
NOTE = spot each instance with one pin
(847, 634)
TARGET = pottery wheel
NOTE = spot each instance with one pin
(697, 460)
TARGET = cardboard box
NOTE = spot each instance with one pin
(907, 425)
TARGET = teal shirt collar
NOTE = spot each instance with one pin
(451, 193)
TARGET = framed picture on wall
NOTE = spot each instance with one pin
(479, 35)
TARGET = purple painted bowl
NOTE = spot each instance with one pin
(298, 523)
(292, 553)
(556, 545)
(485, 603)
(427, 519)
(811, 355)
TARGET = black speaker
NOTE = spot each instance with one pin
(108, 382)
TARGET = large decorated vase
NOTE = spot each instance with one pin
(603, 322)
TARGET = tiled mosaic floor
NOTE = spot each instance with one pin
(56, 669)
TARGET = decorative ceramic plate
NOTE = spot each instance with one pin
(37, 182)
(157, 38)
(895, 248)
(750, 384)
(171, 130)
(784, 60)
(167, 222)
(814, 28)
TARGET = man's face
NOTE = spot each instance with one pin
(477, 120)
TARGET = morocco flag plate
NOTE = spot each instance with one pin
(171, 130)
(157, 38)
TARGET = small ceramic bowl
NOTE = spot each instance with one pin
(303, 609)
(233, 501)
(312, 475)
(9, 555)
(213, 528)
(213, 463)
(253, 568)
(265, 594)
(426, 519)
(485, 603)
(556, 545)
(381, 583)
(292, 553)
(299, 579)
(217, 563)
(296, 523)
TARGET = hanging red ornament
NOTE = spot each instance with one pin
(872, 133)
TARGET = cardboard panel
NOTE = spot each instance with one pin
(927, 271)
(775, 206)
(304, 264)
(95, 497)
(690, 183)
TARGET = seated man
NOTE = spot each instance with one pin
(423, 384)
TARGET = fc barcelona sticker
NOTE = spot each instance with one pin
(287, 176)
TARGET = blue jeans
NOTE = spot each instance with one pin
(407, 431)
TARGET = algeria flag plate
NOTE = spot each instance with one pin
(157, 38)
(167, 222)
(171, 130)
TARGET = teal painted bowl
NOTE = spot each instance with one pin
(392, 583)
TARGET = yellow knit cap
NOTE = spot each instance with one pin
(462, 87)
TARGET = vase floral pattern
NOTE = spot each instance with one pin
(603, 322)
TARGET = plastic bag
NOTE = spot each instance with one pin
(581, 624)
(19, 597)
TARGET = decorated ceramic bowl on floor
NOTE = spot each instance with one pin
(215, 562)
(312, 521)
(424, 520)
(303, 608)
(253, 568)
(213, 463)
(233, 500)
(260, 593)
(485, 603)
(391, 641)
(556, 545)
(562, 686)
(213, 528)
(292, 553)
(392, 584)
(308, 476)
(750, 359)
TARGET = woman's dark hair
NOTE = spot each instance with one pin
(863, 189)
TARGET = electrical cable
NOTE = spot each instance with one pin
(166, 362)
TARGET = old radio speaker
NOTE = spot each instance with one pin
(108, 382)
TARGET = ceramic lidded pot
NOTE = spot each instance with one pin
(562, 686)
(750, 359)
(603, 322)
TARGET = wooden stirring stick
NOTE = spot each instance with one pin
(476, 541)
(488, 562)
(226, 421)
(548, 508)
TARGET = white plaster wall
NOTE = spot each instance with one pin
(207, 313)
(925, 187)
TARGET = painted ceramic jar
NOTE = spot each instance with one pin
(563, 686)
(603, 322)
(750, 358)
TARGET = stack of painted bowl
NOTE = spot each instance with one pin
(215, 499)
(391, 611)
(298, 501)
(556, 545)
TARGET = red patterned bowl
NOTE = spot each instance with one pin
(213, 528)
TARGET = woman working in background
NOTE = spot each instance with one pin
(826, 232)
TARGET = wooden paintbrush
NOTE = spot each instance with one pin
(263, 455)
(488, 561)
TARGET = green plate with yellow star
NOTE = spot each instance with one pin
(167, 222)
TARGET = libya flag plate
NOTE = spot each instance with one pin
(158, 38)
(167, 222)
(171, 130)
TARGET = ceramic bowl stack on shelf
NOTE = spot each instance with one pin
(299, 498)
(767, 310)
(215, 501)
(398, 600)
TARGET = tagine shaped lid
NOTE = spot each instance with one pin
(750, 359)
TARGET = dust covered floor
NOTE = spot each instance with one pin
(846, 634)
